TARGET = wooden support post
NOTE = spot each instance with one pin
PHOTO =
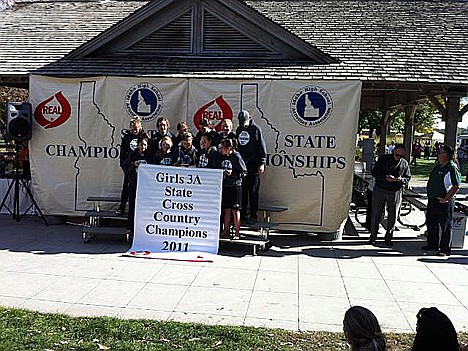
(383, 131)
(453, 117)
(410, 110)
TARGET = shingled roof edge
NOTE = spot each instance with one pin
(239, 7)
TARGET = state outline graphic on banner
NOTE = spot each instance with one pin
(79, 196)
(75, 151)
(244, 96)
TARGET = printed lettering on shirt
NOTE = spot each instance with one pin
(226, 164)
(244, 138)
(133, 144)
(203, 161)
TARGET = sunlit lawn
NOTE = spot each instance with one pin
(423, 168)
(22, 330)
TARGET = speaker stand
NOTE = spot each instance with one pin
(15, 185)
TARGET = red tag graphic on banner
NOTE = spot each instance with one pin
(215, 111)
(50, 115)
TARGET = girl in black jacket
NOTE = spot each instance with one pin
(185, 154)
(208, 154)
(164, 155)
(134, 160)
(234, 170)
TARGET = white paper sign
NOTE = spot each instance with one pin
(177, 209)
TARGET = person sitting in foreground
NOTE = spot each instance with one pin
(435, 332)
(362, 330)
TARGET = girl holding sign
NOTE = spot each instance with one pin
(185, 154)
(164, 156)
(208, 154)
(234, 170)
(134, 160)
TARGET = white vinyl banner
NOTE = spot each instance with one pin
(309, 127)
(177, 209)
(78, 130)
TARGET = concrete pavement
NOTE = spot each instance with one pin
(300, 284)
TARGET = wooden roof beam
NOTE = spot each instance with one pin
(15, 81)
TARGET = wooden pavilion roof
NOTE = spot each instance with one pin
(402, 50)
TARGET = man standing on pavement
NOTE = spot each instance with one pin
(252, 148)
(391, 173)
(444, 182)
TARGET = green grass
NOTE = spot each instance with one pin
(422, 169)
(26, 330)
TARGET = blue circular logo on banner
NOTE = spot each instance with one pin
(311, 106)
(144, 100)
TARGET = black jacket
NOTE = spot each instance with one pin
(234, 162)
(128, 144)
(387, 165)
(208, 158)
(182, 156)
(251, 144)
(130, 166)
(153, 144)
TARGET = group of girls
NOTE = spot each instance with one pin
(208, 149)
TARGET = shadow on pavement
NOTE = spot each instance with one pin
(31, 235)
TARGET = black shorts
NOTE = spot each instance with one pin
(232, 198)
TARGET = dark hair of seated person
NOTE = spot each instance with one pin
(434, 332)
(362, 330)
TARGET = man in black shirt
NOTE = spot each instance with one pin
(391, 173)
(252, 147)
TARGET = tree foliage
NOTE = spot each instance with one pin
(370, 119)
(423, 119)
